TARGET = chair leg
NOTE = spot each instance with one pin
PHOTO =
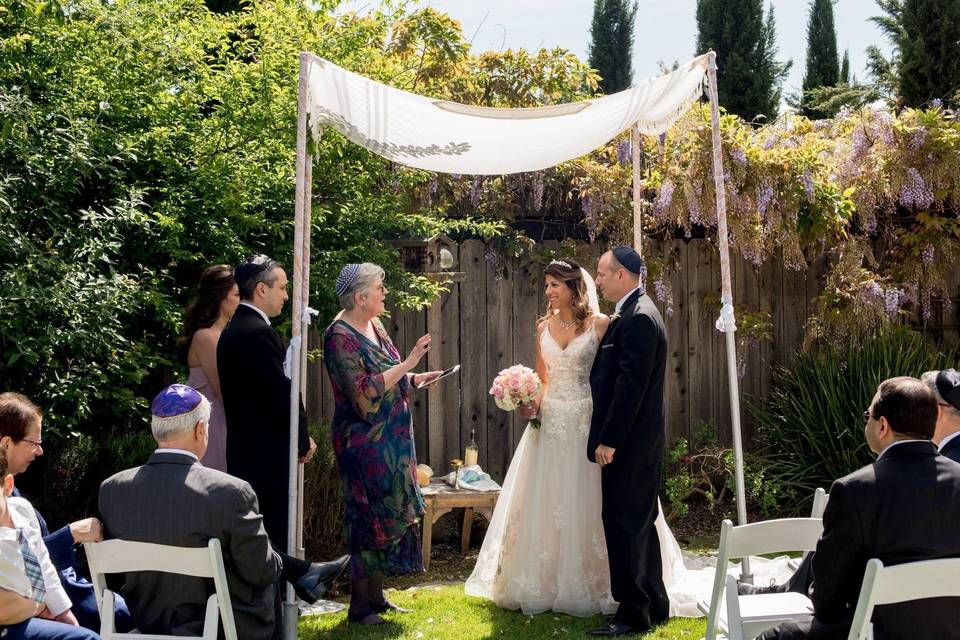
(427, 536)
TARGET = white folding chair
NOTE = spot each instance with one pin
(122, 556)
(749, 616)
(820, 498)
(901, 583)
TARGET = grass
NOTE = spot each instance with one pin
(446, 613)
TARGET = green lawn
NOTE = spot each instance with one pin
(446, 613)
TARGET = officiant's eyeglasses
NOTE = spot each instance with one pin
(37, 444)
(867, 415)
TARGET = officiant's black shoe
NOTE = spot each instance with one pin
(615, 630)
(311, 586)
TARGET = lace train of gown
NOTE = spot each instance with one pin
(544, 549)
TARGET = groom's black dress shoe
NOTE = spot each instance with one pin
(615, 629)
(311, 586)
(386, 606)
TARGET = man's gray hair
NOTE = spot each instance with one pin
(929, 378)
(367, 274)
(166, 429)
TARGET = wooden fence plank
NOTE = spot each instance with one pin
(527, 297)
(499, 353)
(473, 348)
(449, 356)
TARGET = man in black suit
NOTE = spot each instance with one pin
(626, 440)
(904, 507)
(175, 500)
(256, 402)
(946, 386)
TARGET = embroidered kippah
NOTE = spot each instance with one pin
(948, 386)
(630, 260)
(175, 400)
(347, 275)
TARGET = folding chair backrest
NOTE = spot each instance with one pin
(902, 583)
(769, 536)
(123, 556)
(820, 499)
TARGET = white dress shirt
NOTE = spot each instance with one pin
(13, 576)
(182, 452)
(616, 311)
(260, 311)
(950, 437)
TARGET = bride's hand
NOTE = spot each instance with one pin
(530, 410)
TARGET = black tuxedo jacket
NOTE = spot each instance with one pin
(626, 382)
(903, 508)
(175, 500)
(952, 450)
(256, 402)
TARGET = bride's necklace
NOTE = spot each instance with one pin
(564, 324)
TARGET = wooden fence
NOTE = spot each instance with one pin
(488, 324)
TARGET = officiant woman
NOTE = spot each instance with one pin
(373, 440)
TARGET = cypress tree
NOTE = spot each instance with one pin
(823, 69)
(845, 68)
(929, 52)
(749, 76)
(611, 43)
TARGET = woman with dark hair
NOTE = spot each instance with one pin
(217, 299)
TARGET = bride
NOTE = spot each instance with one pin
(545, 547)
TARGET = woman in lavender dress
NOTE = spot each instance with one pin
(217, 299)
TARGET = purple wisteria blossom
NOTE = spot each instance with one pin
(476, 191)
(915, 193)
(917, 139)
(664, 293)
(872, 294)
(764, 196)
(928, 254)
(624, 151)
(892, 299)
(664, 199)
(739, 157)
(807, 180)
(538, 191)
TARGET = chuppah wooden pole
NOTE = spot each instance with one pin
(727, 321)
(290, 612)
(637, 160)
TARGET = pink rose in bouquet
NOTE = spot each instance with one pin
(515, 386)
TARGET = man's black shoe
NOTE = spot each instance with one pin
(616, 629)
(311, 586)
(386, 607)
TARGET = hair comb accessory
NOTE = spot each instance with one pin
(562, 263)
(175, 400)
(347, 275)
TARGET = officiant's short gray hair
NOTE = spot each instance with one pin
(166, 429)
(367, 275)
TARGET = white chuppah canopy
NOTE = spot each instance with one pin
(447, 137)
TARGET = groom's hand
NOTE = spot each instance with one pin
(604, 455)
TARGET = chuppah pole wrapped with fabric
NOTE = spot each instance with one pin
(447, 137)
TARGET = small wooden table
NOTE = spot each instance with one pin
(442, 498)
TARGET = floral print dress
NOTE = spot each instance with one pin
(373, 442)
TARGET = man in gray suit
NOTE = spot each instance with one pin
(174, 500)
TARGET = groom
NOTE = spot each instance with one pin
(626, 440)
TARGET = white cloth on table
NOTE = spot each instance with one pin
(473, 478)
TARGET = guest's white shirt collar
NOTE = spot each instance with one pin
(623, 300)
(950, 437)
(262, 314)
(183, 452)
(893, 444)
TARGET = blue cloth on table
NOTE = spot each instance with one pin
(63, 555)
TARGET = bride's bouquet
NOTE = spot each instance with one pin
(515, 386)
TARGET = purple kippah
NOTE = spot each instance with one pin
(175, 400)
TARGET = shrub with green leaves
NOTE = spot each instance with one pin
(812, 424)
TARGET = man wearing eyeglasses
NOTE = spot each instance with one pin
(905, 507)
(256, 402)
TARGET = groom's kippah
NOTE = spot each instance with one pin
(948, 386)
(347, 275)
(630, 260)
(175, 400)
(251, 268)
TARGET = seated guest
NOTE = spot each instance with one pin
(33, 603)
(175, 500)
(21, 423)
(946, 386)
(904, 507)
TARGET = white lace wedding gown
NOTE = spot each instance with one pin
(545, 549)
